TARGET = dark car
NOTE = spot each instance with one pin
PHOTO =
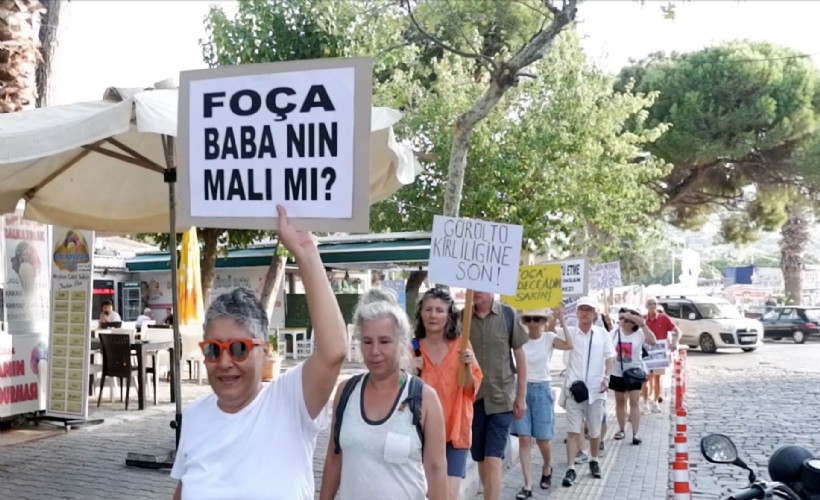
(796, 322)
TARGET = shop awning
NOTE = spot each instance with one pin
(361, 253)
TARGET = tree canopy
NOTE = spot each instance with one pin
(737, 112)
(553, 155)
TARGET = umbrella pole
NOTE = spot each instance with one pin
(166, 460)
(171, 179)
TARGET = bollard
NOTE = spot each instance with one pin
(680, 480)
(680, 421)
(681, 447)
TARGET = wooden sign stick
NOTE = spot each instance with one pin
(467, 318)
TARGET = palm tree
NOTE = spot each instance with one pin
(19, 53)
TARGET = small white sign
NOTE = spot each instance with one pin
(605, 276)
(475, 254)
(573, 277)
(658, 358)
(295, 134)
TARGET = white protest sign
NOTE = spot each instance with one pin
(295, 133)
(605, 276)
(573, 277)
(658, 358)
(475, 254)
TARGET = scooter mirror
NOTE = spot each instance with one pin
(719, 449)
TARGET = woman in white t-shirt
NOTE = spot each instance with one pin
(379, 452)
(255, 441)
(629, 338)
(539, 418)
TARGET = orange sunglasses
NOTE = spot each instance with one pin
(237, 349)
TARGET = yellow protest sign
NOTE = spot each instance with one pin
(538, 287)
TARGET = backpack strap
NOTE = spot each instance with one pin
(340, 409)
(413, 401)
(509, 319)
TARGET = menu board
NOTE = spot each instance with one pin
(72, 256)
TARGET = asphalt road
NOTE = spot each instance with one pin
(762, 400)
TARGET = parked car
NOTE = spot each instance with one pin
(796, 322)
(712, 323)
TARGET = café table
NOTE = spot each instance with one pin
(142, 349)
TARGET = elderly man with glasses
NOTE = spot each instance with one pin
(591, 362)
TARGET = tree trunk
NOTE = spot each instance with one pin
(19, 53)
(505, 76)
(273, 281)
(48, 42)
(210, 238)
(794, 237)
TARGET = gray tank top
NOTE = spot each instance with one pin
(380, 459)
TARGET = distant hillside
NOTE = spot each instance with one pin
(705, 242)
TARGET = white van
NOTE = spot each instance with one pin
(712, 323)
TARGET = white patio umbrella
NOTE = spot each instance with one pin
(76, 165)
(103, 166)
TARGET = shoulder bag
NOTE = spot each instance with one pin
(633, 376)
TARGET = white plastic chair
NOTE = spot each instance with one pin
(303, 348)
(159, 335)
(191, 337)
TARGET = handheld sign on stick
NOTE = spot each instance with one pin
(465, 334)
(477, 255)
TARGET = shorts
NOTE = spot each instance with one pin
(456, 461)
(592, 414)
(662, 371)
(617, 384)
(539, 419)
(490, 432)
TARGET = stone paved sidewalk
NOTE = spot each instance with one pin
(88, 462)
(630, 472)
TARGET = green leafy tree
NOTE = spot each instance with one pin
(738, 113)
(552, 155)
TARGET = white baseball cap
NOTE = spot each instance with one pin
(588, 302)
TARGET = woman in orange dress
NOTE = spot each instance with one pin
(437, 361)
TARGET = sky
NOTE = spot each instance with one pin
(133, 43)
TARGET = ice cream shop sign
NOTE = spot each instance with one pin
(22, 363)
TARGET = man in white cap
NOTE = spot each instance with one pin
(587, 380)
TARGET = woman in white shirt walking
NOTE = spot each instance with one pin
(539, 418)
(250, 440)
(629, 338)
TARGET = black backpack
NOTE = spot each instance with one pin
(413, 402)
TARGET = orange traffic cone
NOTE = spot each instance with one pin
(680, 480)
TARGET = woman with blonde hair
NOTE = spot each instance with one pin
(388, 434)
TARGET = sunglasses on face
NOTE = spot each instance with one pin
(533, 319)
(237, 349)
(624, 319)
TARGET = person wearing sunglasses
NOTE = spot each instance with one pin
(538, 421)
(378, 450)
(253, 440)
(439, 359)
(629, 338)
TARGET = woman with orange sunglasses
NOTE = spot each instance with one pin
(247, 436)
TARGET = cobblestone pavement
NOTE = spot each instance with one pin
(89, 462)
(630, 472)
(762, 400)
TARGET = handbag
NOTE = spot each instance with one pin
(633, 376)
(578, 389)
